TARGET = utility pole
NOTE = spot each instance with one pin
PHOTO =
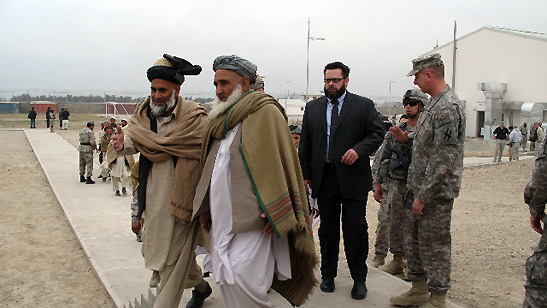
(454, 59)
(388, 100)
(308, 59)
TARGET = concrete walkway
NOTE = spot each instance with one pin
(101, 222)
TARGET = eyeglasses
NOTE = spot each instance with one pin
(410, 102)
(335, 80)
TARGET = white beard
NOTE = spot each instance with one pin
(158, 111)
(219, 107)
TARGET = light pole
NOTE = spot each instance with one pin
(288, 94)
(308, 59)
(389, 98)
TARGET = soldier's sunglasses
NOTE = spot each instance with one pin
(412, 103)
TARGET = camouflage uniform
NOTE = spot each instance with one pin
(535, 195)
(435, 178)
(87, 144)
(381, 245)
(104, 140)
(396, 157)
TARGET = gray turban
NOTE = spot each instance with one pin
(236, 64)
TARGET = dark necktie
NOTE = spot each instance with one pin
(333, 125)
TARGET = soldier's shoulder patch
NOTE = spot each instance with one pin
(446, 134)
(443, 120)
(445, 130)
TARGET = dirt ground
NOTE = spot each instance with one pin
(44, 265)
(491, 236)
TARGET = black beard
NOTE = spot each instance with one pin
(336, 94)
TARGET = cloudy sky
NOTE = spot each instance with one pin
(91, 47)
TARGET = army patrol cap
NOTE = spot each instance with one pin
(428, 61)
(416, 94)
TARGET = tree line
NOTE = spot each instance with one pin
(75, 99)
(90, 98)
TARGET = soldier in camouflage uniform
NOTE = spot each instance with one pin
(104, 140)
(395, 160)
(381, 245)
(434, 177)
(524, 131)
(87, 145)
(535, 195)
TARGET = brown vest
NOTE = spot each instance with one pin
(246, 210)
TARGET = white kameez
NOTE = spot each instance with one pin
(243, 263)
(120, 174)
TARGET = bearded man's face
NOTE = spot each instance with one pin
(163, 94)
(226, 82)
(335, 83)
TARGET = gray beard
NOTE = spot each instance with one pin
(162, 111)
(220, 107)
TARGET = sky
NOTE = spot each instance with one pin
(105, 46)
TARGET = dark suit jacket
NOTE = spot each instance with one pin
(360, 128)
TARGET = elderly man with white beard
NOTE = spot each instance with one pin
(166, 130)
(251, 197)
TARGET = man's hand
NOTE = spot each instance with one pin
(418, 206)
(307, 184)
(118, 139)
(268, 228)
(398, 134)
(315, 213)
(378, 192)
(136, 227)
(205, 222)
(536, 223)
(350, 157)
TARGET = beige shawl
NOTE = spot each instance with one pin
(183, 142)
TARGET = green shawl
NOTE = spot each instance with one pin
(272, 164)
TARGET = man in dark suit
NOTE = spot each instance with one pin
(339, 133)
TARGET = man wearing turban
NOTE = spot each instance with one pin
(251, 196)
(166, 130)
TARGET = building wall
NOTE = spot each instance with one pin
(492, 56)
(9, 107)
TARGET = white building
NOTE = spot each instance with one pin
(294, 108)
(501, 74)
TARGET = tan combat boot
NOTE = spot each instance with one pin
(396, 265)
(378, 260)
(416, 296)
(435, 301)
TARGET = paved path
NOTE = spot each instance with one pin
(101, 222)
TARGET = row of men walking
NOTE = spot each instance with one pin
(234, 173)
(113, 167)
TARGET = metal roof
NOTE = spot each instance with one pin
(521, 33)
